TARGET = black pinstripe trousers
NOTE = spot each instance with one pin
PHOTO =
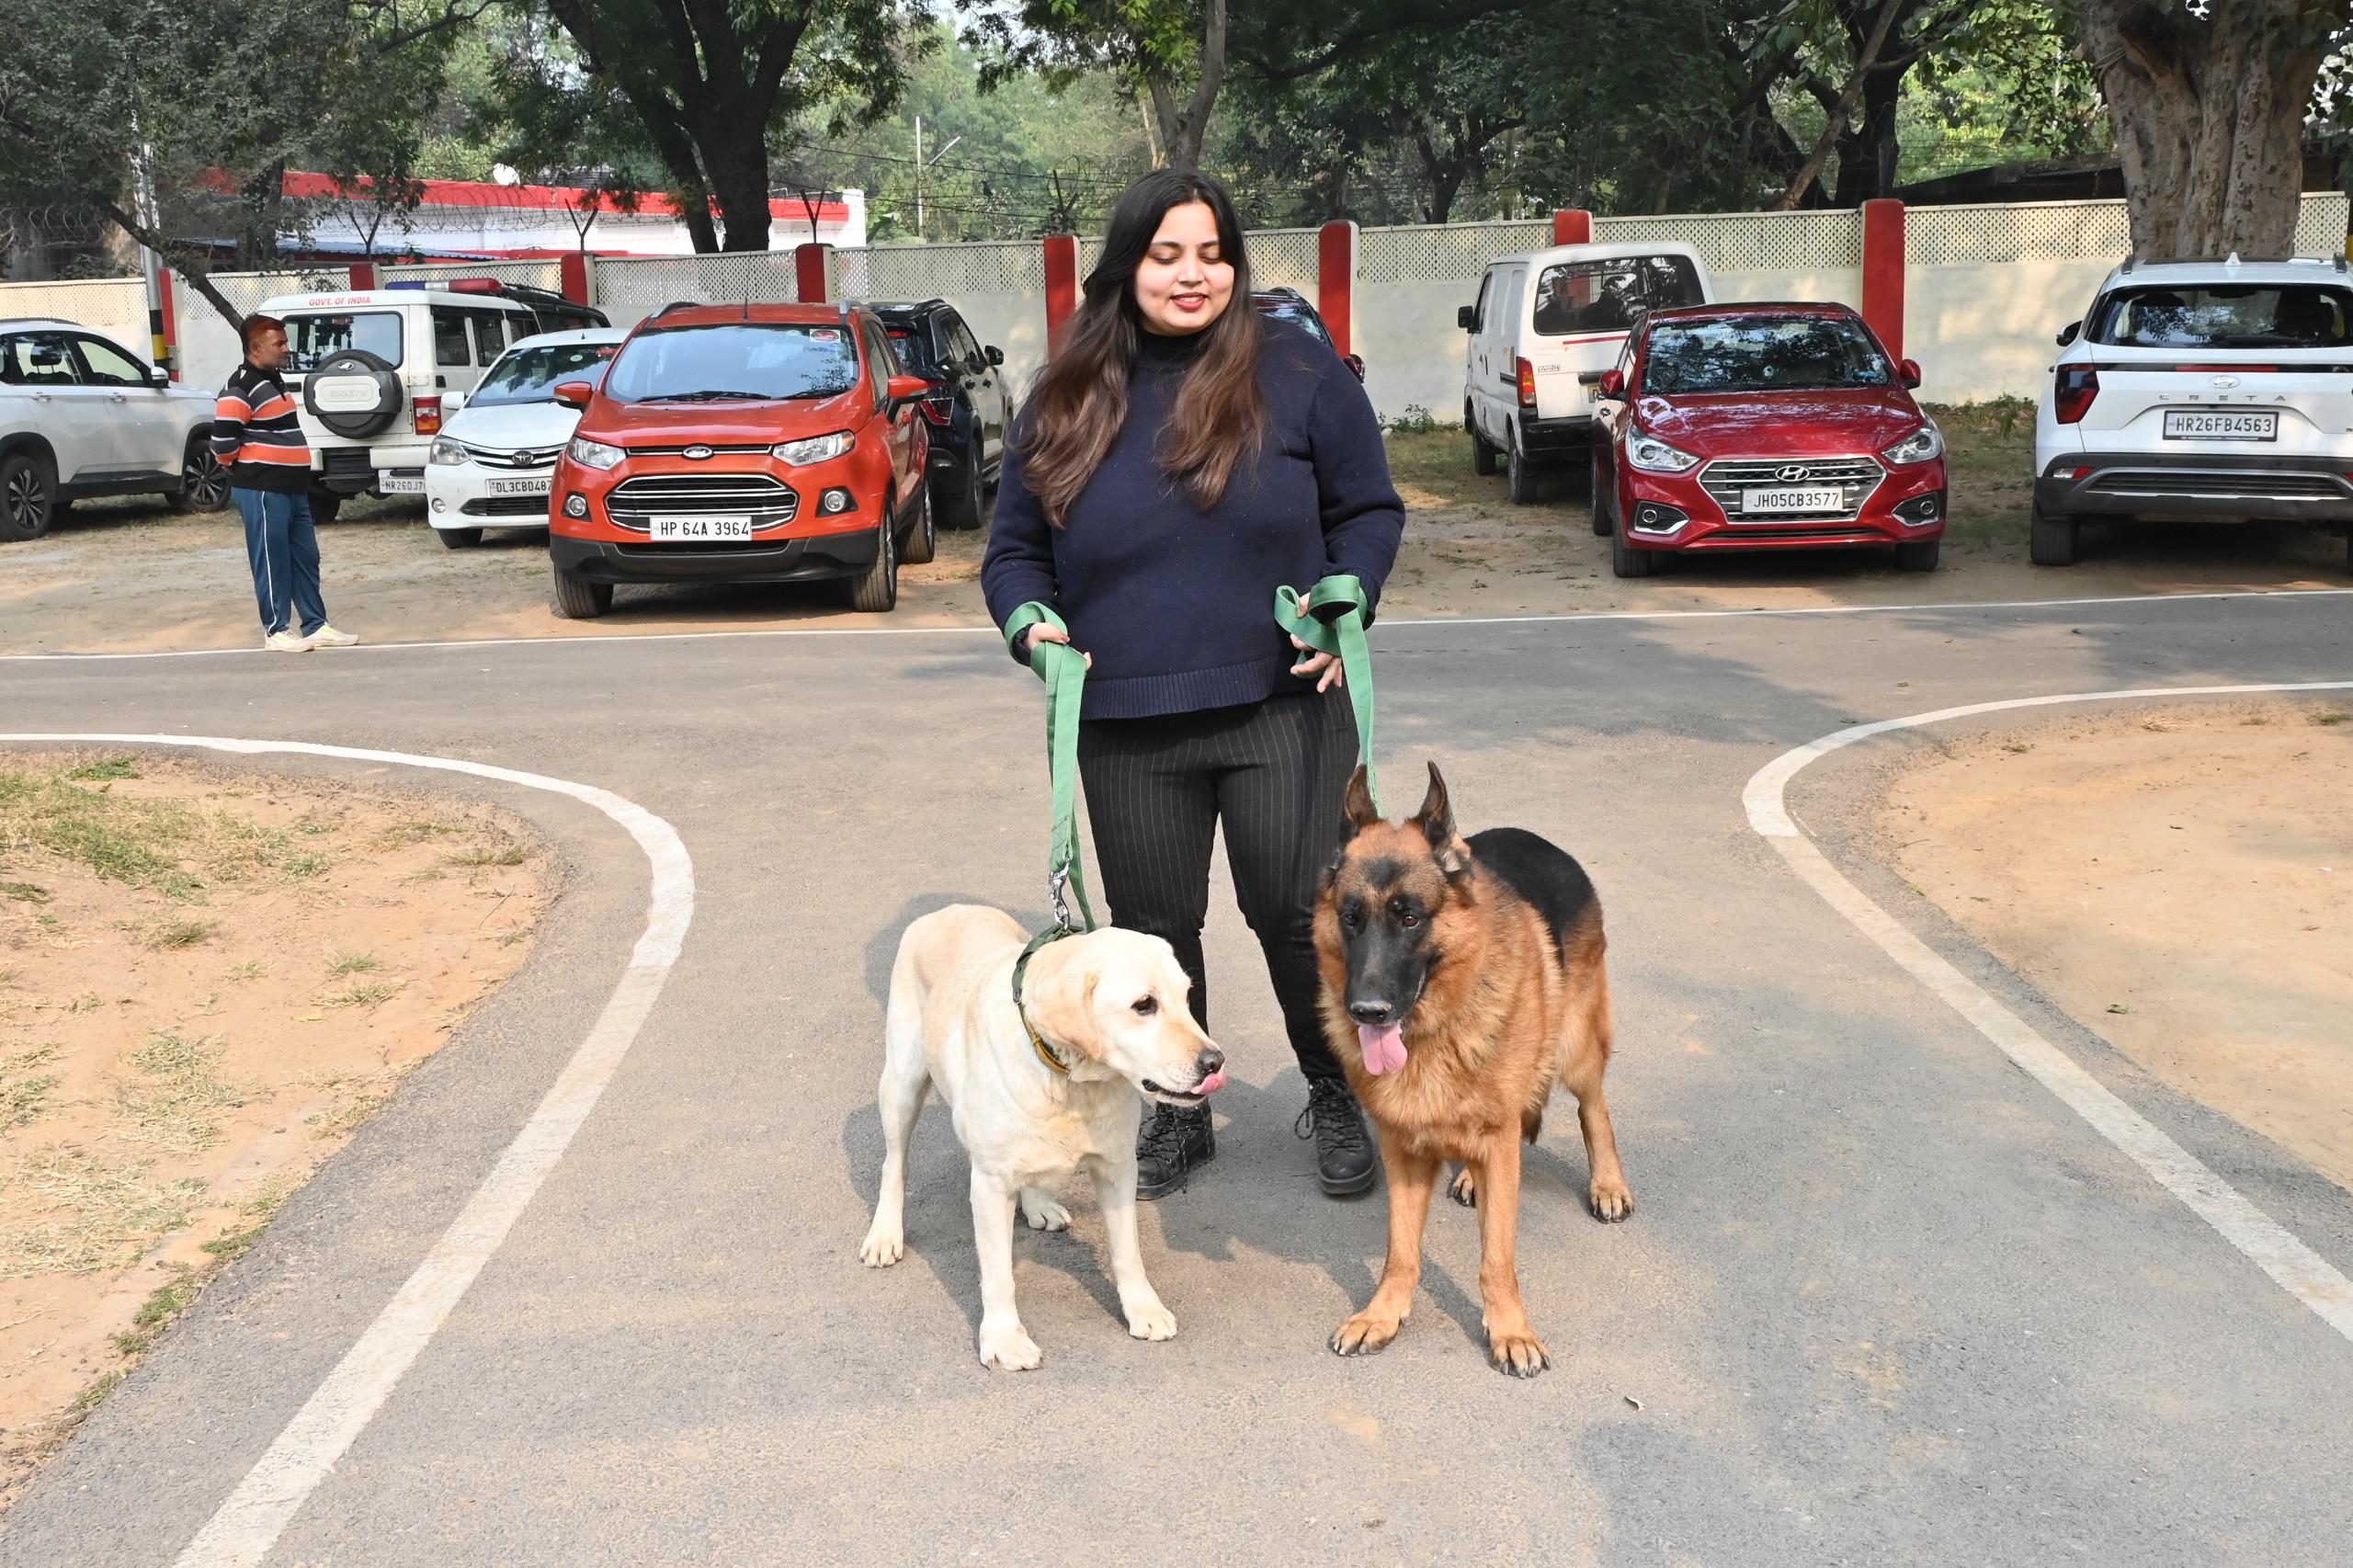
(1274, 773)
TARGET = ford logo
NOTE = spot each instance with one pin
(2226, 382)
(698, 453)
(1791, 473)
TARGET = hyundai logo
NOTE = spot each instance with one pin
(697, 453)
(1792, 474)
(2226, 382)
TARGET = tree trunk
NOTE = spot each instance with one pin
(739, 184)
(2210, 119)
(1840, 116)
(1184, 128)
(198, 276)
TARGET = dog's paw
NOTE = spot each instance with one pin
(1518, 1353)
(1150, 1320)
(1465, 1190)
(1009, 1349)
(1612, 1200)
(1364, 1334)
(1042, 1212)
(882, 1247)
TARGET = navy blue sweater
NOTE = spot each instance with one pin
(1176, 605)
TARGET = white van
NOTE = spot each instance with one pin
(1546, 326)
(376, 371)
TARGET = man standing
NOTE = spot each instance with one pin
(258, 439)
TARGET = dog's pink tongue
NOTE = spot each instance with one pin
(1384, 1048)
(1211, 1083)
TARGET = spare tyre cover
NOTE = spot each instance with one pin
(354, 394)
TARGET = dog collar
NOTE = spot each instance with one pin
(1046, 1053)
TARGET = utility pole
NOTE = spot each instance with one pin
(921, 165)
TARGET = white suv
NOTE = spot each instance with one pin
(2199, 391)
(491, 464)
(80, 416)
(376, 371)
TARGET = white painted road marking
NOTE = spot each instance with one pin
(1440, 623)
(246, 1526)
(2298, 1270)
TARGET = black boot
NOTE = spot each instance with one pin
(1176, 1138)
(1344, 1154)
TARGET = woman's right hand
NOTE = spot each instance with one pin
(1041, 632)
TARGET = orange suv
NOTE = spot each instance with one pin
(743, 444)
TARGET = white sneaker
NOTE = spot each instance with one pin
(328, 637)
(286, 643)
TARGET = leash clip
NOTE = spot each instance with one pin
(1057, 883)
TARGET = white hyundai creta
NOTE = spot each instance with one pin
(2199, 391)
(491, 465)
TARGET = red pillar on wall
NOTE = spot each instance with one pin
(1062, 282)
(168, 320)
(809, 271)
(1573, 226)
(1336, 281)
(1883, 273)
(363, 275)
(574, 271)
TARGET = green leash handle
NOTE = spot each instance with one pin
(1063, 669)
(1330, 620)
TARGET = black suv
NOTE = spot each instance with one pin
(1290, 305)
(969, 407)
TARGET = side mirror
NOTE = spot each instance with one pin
(903, 389)
(2068, 334)
(1613, 385)
(158, 376)
(996, 355)
(1909, 372)
(575, 394)
(1467, 317)
(1355, 363)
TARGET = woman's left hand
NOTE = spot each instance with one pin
(1324, 666)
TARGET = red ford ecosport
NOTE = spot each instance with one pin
(743, 444)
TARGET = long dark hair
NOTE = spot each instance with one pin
(1082, 399)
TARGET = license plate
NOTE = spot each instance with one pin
(679, 531)
(1792, 498)
(395, 482)
(537, 485)
(2213, 425)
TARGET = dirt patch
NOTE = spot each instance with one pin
(2180, 879)
(127, 578)
(207, 981)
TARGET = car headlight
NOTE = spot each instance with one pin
(593, 454)
(1926, 442)
(447, 453)
(816, 449)
(1654, 456)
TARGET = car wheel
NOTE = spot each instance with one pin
(459, 539)
(28, 495)
(577, 598)
(2053, 541)
(961, 508)
(324, 506)
(1920, 555)
(1601, 499)
(1520, 476)
(204, 483)
(923, 539)
(1627, 561)
(876, 589)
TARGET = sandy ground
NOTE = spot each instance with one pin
(207, 981)
(2179, 880)
(129, 577)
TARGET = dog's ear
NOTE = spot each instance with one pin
(1357, 805)
(1061, 998)
(1435, 820)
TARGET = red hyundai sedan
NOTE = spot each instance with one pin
(1763, 428)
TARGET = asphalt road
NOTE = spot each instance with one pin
(1883, 1298)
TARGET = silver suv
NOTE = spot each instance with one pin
(2201, 391)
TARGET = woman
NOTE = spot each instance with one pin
(1180, 459)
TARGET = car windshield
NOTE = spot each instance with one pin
(736, 361)
(529, 375)
(1604, 295)
(310, 338)
(1296, 312)
(2215, 315)
(1755, 354)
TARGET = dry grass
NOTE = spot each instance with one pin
(507, 854)
(169, 935)
(24, 1094)
(169, 1106)
(339, 964)
(87, 1211)
(75, 816)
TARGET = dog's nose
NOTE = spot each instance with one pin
(1374, 1014)
(1210, 1061)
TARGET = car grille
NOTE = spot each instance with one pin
(508, 506)
(634, 502)
(527, 460)
(1856, 479)
(2178, 484)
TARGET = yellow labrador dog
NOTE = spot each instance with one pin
(1110, 1026)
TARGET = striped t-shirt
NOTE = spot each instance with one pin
(256, 436)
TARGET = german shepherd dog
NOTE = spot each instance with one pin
(1462, 979)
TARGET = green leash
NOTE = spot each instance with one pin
(1330, 620)
(1063, 669)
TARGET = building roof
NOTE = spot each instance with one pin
(455, 193)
